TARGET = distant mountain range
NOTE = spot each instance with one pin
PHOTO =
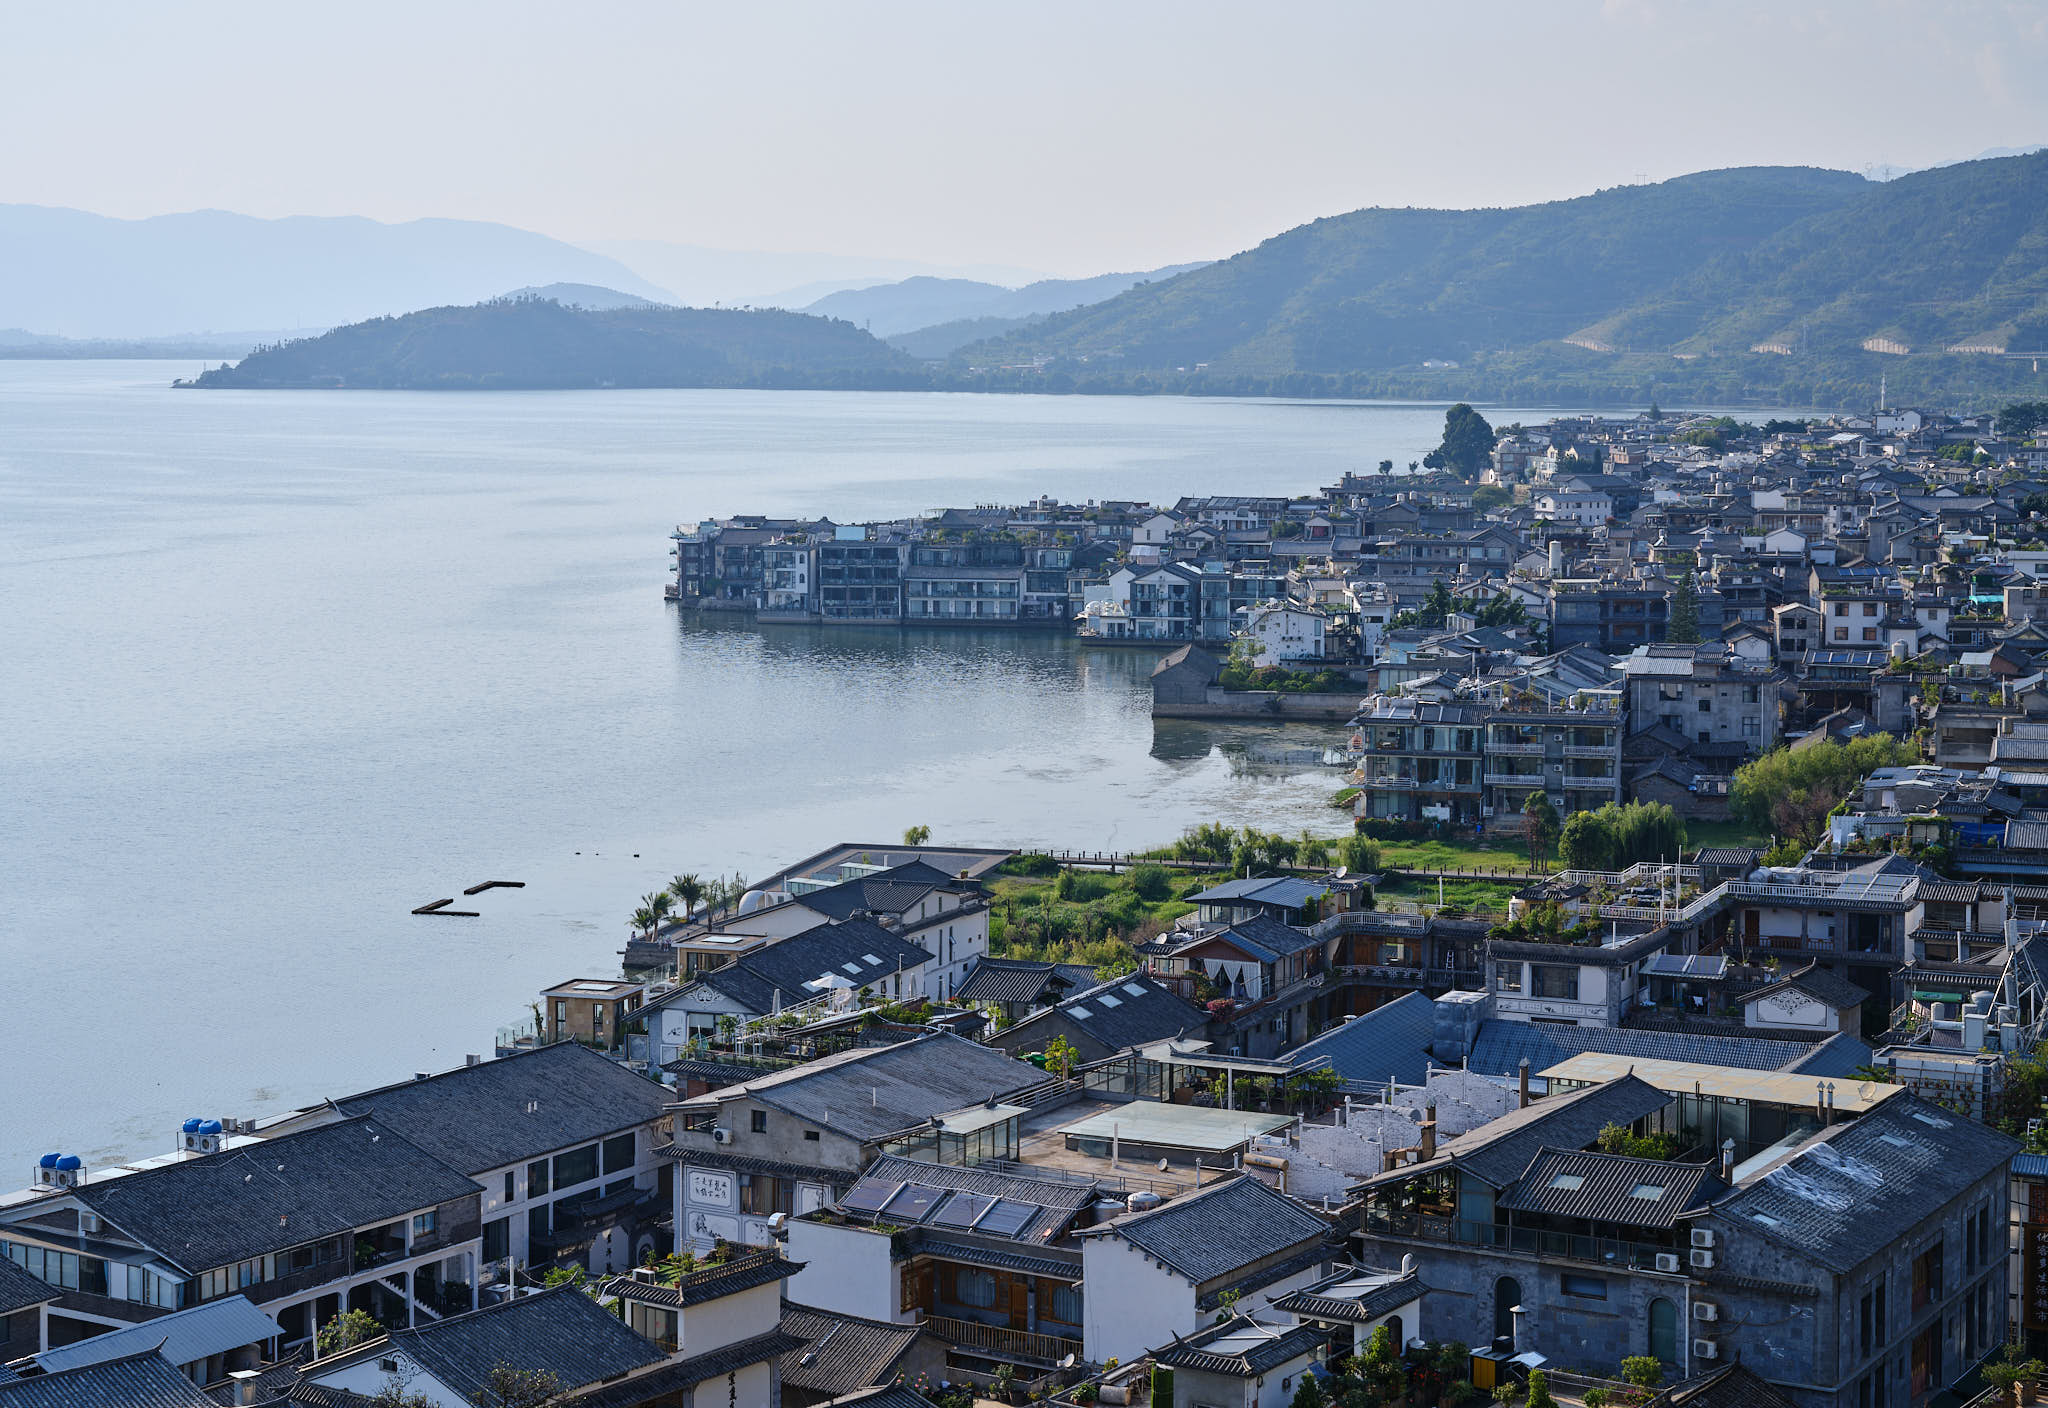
(700, 277)
(534, 342)
(78, 275)
(1756, 283)
(925, 303)
(587, 296)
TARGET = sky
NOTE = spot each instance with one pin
(1065, 138)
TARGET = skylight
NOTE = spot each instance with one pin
(1568, 1181)
(1135, 989)
(872, 959)
(853, 968)
(1079, 1011)
(1648, 1192)
(1766, 1219)
(1108, 1000)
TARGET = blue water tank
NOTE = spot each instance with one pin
(209, 1126)
(191, 1126)
(70, 1162)
(47, 1161)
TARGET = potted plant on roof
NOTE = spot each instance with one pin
(2010, 1372)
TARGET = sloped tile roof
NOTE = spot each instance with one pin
(1242, 1348)
(283, 1192)
(1610, 1188)
(1016, 980)
(841, 1353)
(503, 1112)
(19, 1290)
(146, 1380)
(684, 1373)
(1220, 1230)
(182, 1337)
(1133, 1010)
(1890, 1168)
(1391, 1040)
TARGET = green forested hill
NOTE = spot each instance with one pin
(1612, 296)
(1385, 288)
(538, 343)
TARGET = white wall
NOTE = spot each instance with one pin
(1130, 1303)
(365, 1378)
(714, 1324)
(846, 1269)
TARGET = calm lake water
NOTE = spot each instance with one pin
(280, 666)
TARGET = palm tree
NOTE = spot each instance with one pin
(658, 905)
(643, 921)
(687, 890)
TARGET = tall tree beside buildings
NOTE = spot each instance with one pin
(1789, 792)
(1617, 837)
(1540, 826)
(1467, 444)
(1684, 626)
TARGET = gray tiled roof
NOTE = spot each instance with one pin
(284, 1192)
(1129, 1011)
(1285, 891)
(889, 891)
(868, 1092)
(1015, 980)
(1610, 1188)
(787, 965)
(19, 1290)
(840, 1352)
(1891, 1168)
(1391, 1040)
(683, 1373)
(183, 1337)
(498, 1113)
(146, 1380)
(743, 1273)
(1734, 1386)
(562, 1332)
(1840, 1055)
(1497, 1152)
(1352, 1295)
(1058, 1201)
(1266, 938)
(1500, 1046)
(1817, 982)
(1218, 1231)
(1241, 1347)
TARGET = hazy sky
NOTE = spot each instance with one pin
(1070, 138)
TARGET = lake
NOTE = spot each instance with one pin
(281, 666)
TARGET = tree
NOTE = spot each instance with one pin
(1539, 1390)
(917, 835)
(1584, 843)
(688, 891)
(507, 1387)
(1060, 1057)
(1467, 444)
(1790, 792)
(1684, 626)
(1642, 1370)
(1151, 883)
(347, 1330)
(1309, 1394)
(1488, 496)
(1386, 466)
(1539, 826)
(643, 922)
(1360, 854)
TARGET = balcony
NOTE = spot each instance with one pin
(1000, 1342)
(1531, 1241)
(1516, 750)
(1580, 750)
(1513, 779)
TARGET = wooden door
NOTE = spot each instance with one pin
(1020, 1302)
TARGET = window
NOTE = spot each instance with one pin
(1865, 1328)
(577, 1166)
(539, 1222)
(759, 1123)
(497, 1239)
(1706, 706)
(1555, 980)
(811, 1135)
(1064, 1305)
(1568, 1182)
(537, 1179)
(763, 1195)
(1927, 1277)
(1586, 1287)
(422, 1224)
(618, 1153)
(511, 1186)
(976, 1288)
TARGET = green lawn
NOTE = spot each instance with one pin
(1722, 833)
(1508, 854)
(1472, 896)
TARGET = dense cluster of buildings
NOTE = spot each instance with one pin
(834, 1149)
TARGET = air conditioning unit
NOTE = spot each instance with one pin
(720, 1134)
(1706, 1349)
(1668, 1262)
(1703, 1236)
(1702, 1261)
(1705, 1310)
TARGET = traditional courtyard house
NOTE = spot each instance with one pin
(212, 1345)
(1242, 1363)
(1353, 1301)
(565, 1143)
(1017, 987)
(144, 1379)
(843, 1354)
(349, 1216)
(1156, 1275)
(791, 1141)
(1283, 899)
(945, 915)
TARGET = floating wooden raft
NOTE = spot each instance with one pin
(495, 885)
(439, 910)
(437, 904)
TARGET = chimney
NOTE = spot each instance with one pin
(472, 1060)
(1428, 1144)
(1727, 1160)
(1523, 1093)
(245, 1385)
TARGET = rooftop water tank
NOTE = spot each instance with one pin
(190, 1126)
(1144, 1200)
(209, 1126)
(753, 900)
(48, 1161)
(70, 1162)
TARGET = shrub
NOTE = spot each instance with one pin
(1033, 864)
(1642, 1370)
(1539, 1390)
(1151, 883)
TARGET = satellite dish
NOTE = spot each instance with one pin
(1342, 871)
(1068, 1362)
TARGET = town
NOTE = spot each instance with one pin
(1713, 1083)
